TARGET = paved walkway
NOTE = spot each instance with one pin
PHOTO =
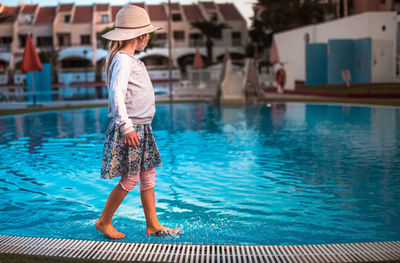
(181, 98)
(180, 95)
(93, 102)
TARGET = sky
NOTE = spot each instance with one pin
(244, 6)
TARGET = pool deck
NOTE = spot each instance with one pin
(173, 252)
(12, 108)
(159, 99)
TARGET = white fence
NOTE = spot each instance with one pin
(69, 77)
(164, 74)
(82, 85)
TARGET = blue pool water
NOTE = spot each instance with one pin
(286, 174)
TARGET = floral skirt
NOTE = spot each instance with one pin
(122, 160)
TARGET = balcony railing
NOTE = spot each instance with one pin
(5, 48)
(45, 48)
(161, 43)
(196, 43)
(236, 42)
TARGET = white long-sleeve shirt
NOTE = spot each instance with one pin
(130, 92)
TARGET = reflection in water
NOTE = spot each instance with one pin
(278, 112)
(303, 173)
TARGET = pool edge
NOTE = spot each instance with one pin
(173, 252)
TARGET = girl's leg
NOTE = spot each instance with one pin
(115, 198)
(147, 182)
(147, 179)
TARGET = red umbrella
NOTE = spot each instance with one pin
(198, 61)
(227, 57)
(31, 62)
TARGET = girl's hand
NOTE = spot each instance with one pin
(131, 139)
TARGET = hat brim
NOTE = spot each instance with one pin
(125, 34)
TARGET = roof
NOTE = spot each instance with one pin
(138, 4)
(114, 11)
(28, 9)
(229, 12)
(157, 12)
(46, 15)
(175, 6)
(101, 7)
(12, 11)
(65, 7)
(192, 12)
(83, 14)
(209, 5)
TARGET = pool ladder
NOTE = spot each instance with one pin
(161, 252)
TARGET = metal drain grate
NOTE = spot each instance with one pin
(159, 252)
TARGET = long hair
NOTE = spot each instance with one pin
(113, 47)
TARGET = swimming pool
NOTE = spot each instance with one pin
(267, 174)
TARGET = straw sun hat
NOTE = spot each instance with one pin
(131, 21)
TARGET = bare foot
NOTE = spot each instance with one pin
(108, 230)
(151, 230)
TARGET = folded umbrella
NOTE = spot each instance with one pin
(31, 62)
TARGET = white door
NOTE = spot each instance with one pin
(382, 61)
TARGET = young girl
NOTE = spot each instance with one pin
(130, 150)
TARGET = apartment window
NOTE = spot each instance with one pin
(179, 35)
(85, 39)
(64, 39)
(44, 41)
(104, 18)
(22, 40)
(214, 17)
(161, 36)
(5, 40)
(67, 18)
(28, 19)
(5, 44)
(236, 39)
(218, 34)
(176, 17)
(195, 40)
(161, 40)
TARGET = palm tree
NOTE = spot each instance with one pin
(284, 15)
(279, 15)
(211, 30)
(261, 38)
(344, 8)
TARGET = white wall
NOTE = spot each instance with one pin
(291, 44)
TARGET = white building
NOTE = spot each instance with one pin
(381, 27)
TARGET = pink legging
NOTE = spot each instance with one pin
(147, 180)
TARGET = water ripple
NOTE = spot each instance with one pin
(286, 174)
